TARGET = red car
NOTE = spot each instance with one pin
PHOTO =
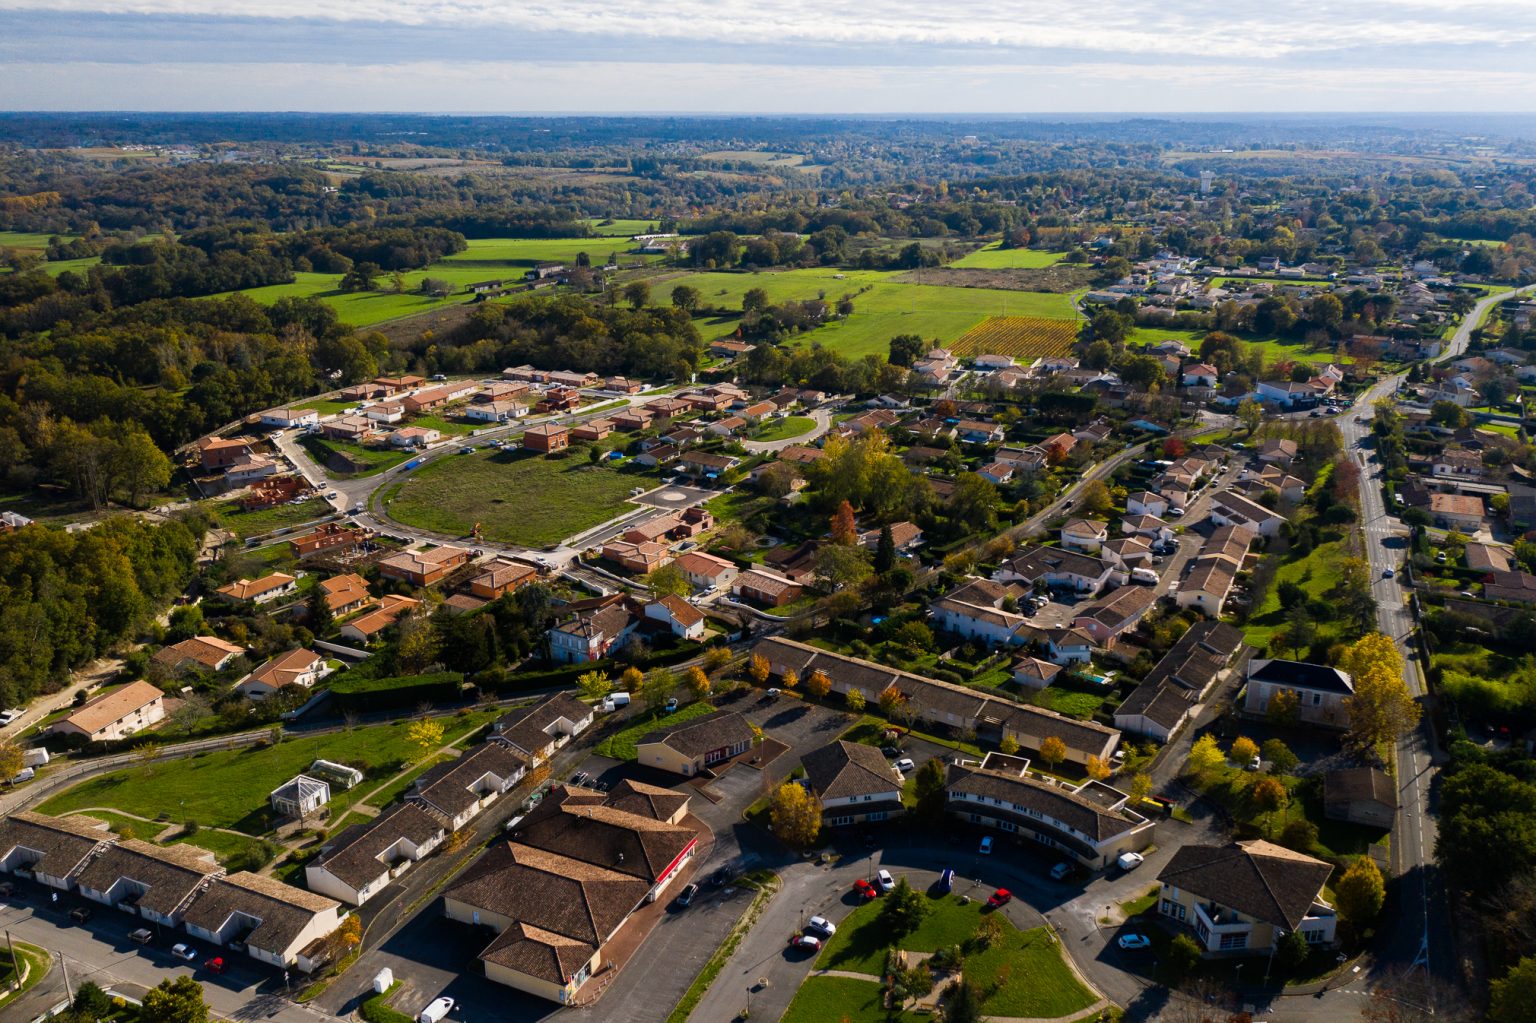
(1000, 897)
(864, 889)
(215, 965)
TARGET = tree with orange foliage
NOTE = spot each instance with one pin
(845, 530)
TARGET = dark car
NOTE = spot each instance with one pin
(947, 880)
(685, 897)
(891, 752)
(80, 914)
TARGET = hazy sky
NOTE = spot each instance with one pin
(768, 56)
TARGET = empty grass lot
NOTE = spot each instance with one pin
(888, 308)
(621, 745)
(1039, 983)
(229, 788)
(265, 520)
(992, 257)
(372, 460)
(1317, 573)
(784, 429)
(518, 497)
(842, 998)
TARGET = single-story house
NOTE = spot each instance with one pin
(854, 782)
(302, 668)
(691, 747)
(1321, 691)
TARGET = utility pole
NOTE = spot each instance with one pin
(15, 966)
(69, 992)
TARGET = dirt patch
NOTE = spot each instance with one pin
(439, 321)
(1057, 280)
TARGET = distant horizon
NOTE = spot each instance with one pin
(872, 57)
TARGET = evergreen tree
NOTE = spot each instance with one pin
(885, 551)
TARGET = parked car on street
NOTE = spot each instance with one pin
(436, 1011)
(821, 925)
(904, 765)
(947, 880)
(884, 879)
(986, 845)
(1130, 860)
(806, 942)
(183, 952)
(1131, 942)
(216, 965)
(1001, 897)
(685, 897)
(1061, 871)
(863, 889)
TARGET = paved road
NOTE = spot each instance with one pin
(100, 951)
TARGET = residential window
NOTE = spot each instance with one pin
(1007, 825)
(1315, 937)
(1231, 941)
(878, 815)
(1173, 909)
(1204, 932)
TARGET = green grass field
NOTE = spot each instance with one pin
(259, 523)
(27, 240)
(621, 745)
(784, 429)
(888, 308)
(619, 227)
(991, 257)
(1038, 982)
(844, 999)
(1317, 573)
(517, 497)
(229, 788)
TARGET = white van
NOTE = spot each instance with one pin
(435, 1012)
(1144, 575)
(613, 701)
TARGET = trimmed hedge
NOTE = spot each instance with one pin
(355, 691)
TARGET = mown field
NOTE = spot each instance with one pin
(882, 306)
(518, 498)
(992, 257)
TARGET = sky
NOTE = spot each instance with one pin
(769, 56)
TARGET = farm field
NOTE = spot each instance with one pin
(229, 788)
(887, 308)
(992, 257)
(1022, 337)
(26, 239)
(485, 259)
(517, 497)
(618, 227)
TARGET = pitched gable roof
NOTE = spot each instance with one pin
(1258, 879)
(841, 769)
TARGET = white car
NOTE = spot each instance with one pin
(821, 925)
(986, 846)
(6, 717)
(1131, 942)
(884, 879)
(1129, 861)
(183, 952)
(437, 1011)
(905, 764)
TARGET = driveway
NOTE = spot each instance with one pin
(823, 419)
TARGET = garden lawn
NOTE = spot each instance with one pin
(784, 429)
(1039, 982)
(518, 497)
(127, 825)
(621, 745)
(1074, 705)
(1317, 573)
(326, 406)
(234, 851)
(395, 789)
(825, 999)
(993, 257)
(447, 427)
(267, 520)
(229, 788)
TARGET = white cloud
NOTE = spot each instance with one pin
(1196, 29)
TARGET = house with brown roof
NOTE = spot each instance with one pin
(216, 454)
(854, 783)
(681, 618)
(546, 437)
(52, 850)
(1229, 508)
(274, 922)
(1278, 451)
(301, 668)
(1115, 613)
(1242, 898)
(765, 589)
(1462, 512)
(591, 632)
(201, 653)
(1092, 823)
(639, 558)
(1056, 568)
(706, 573)
(423, 567)
(367, 627)
(1360, 795)
(500, 577)
(344, 594)
(259, 591)
(563, 887)
(691, 747)
(457, 790)
(361, 860)
(536, 732)
(1171, 693)
(156, 882)
(1033, 673)
(592, 429)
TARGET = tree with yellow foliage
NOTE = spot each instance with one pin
(1053, 751)
(632, 679)
(1097, 769)
(791, 678)
(819, 684)
(757, 669)
(1009, 746)
(796, 815)
(1244, 750)
(426, 735)
(698, 682)
(856, 701)
(1205, 755)
(1381, 709)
